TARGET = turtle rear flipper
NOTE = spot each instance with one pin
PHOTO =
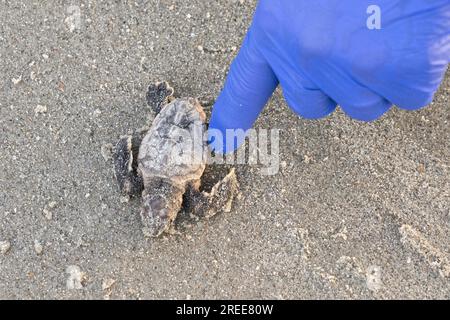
(158, 95)
(219, 199)
(125, 166)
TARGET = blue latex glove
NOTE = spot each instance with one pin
(323, 53)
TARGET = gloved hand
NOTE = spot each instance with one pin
(329, 52)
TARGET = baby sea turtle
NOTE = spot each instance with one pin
(165, 166)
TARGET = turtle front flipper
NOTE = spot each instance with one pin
(219, 199)
(125, 166)
(158, 95)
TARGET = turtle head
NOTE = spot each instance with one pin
(160, 206)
